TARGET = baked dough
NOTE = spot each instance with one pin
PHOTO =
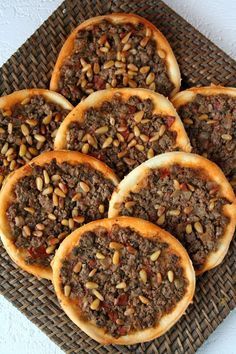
(134, 180)
(146, 229)
(7, 196)
(120, 18)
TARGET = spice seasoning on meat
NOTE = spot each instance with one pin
(121, 280)
(108, 55)
(26, 130)
(182, 201)
(51, 202)
(122, 133)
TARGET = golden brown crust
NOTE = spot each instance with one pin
(187, 96)
(134, 180)
(7, 196)
(146, 229)
(6, 102)
(170, 60)
(161, 106)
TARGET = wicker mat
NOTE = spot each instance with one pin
(201, 62)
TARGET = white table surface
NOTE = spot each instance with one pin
(18, 20)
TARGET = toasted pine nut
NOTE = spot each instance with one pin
(99, 255)
(77, 267)
(144, 300)
(170, 275)
(67, 290)
(143, 275)
(189, 229)
(121, 285)
(155, 255)
(98, 294)
(92, 273)
(116, 258)
(198, 227)
(84, 187)
(115, 245)
(91, 285)
(95, 304)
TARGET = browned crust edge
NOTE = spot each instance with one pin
(135, 178)
(6, 102)
(171, 63)
(147, 230)
(161, 106)
(187, 96)
(7, 196)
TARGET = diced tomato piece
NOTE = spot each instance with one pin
(125, 134)
(92, 263)
(122, 300)
(131, 249)
(164, 172)
(39, 252)
(184, 187)
(122, 331)
(169, 120)
(113, 316)
(99, 83)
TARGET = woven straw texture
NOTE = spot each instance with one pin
(201, 62)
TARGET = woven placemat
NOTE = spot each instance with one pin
(201, 62)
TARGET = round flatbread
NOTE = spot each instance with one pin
(29, 120)
(123, 128)
(123, 280)
(43, 201)
(209, 117)
(115, 50)
(188, 196)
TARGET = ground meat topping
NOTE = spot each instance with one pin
(183, 202)
(123, 134)
(107, 55)
(210, 122)
(122, 281)
(51, 202)
(26, 131)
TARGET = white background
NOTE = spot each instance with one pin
(18, 20)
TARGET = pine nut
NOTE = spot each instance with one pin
(91, 285)
(39, 183)
(101, 208)
(144, 138)
(67, 290)
(175, 212)
(71, 224)
(143, 275)
(144, 69)
(150, 153)
(126, 47)
(162, 130)
(198, 227)
(107, 142)
(136, 131)
(150, 78)
(108, 64)
(77, 267)
(116, 258)
(104, 49)
(121, 285)
(139, 147)
(129, 312)
(46, 120)
(159, 278)
(22, 150)
(47, 190)
(144, 300)
(126, 38)
(226, 137)
(50, 249)
(129, 205)
(99, 255)
(40, 138)
(25, 101)
(101, 130)
(176, 185)
(30, 210)
(38, 233)
(115, 245)
(79, 219)
(203, 117)
(65, 222)
(188, 121)
(155, 255)
(40, 227)
(52, 217)
(95, 304)
(132, 83)
(98, 294)
(84, 187)
(92, 273)
(26, 230)
(59, 192)
(189, 229)
(170, 276)
(132, 67)
(155, 137)
(144, 42)
(85, 148)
